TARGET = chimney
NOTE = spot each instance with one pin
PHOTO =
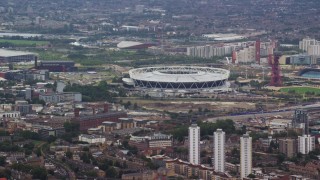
(76, 112)
(105, 108)
(36, 62)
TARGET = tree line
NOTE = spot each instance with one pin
(92, 93)
(206, 129)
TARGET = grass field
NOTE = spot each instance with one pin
(24, 42)
(49, 55)
(301, 90)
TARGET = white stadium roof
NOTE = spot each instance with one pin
(127, 44)
(10, 53)
(177, 74)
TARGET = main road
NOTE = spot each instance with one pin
(288, 111)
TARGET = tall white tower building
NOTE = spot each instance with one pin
(306, 143)
(308, 43)
(245, 155)
(219, 154)
(194, 144)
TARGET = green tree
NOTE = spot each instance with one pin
(127, 105)
(206, 128)
(39, 173)
(72, 130)
(52, 86)
(85, 149)
(2, 160)
(29, 146)
(7, 146)
(51, 172)
(135, 106)
(3, 133)
(29, 135)
(152, 165)
(101, 92)
(104, 165)
(281, 157)
(71, 126)
(51, 139)
(5, 173)
(112, 172)
(251, 176)
(244, 129)
(85, 158)
(38, 152)
(37, 101)
(235, 152)
(69, 154)
(180, 132)
(92, 173)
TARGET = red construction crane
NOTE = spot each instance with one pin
(275, 69)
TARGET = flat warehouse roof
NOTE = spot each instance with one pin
(10, 53)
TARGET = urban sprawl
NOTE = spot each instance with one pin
(150, 90)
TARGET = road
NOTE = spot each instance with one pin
(288, 111)
(71, 174)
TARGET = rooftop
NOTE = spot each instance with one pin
(102, 115)
(91, 136)
(126, 44)
(178, 74)
(10, 53)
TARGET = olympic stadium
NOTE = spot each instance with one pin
(178, 78)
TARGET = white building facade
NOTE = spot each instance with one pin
(209, 51)
(219, 150)
(61, 97)
(245, 155)
(10, 114)
(306, 143)
(92, 139)
(194, 144)
(314, 50)
(306, 43)
(160, 140)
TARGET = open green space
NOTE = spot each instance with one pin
(301, 90)
(50, 55)
(19, 42)
(97, 57)
(37, 143)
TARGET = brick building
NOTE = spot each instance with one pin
(288, 147)
(310, 170)
(95, 120)
(183, 168)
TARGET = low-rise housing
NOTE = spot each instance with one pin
(187, 170)
(310, 170)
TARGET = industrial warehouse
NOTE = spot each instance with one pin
(56, 66)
